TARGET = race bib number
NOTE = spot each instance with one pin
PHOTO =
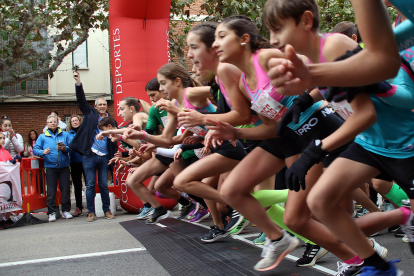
(199, 154)
(343, 108)
(164, 120)
(269, 107)
(197, 130)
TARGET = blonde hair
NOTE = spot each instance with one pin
(69, 126)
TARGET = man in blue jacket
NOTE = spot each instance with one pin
(96, 153)
(52, 146)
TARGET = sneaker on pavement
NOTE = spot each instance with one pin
(214, 234)
(260, 240)
(185, 210)
(109, 215)
(235, 219)
(52, 217)
(393, 229)
(78, 212)
(399, 233)
(408, 229)
(348, 269)
(239, 228)
(405, 239)
(67, 215)
(361, 212)
(381, 250)
(274, 252)
(191, 215)
(372, 271)
(159, 214)
(145, 213)
(200, 215)
(312, 253)
(91, 217)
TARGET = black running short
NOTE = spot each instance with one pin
(399, 170)
(228, 150)
(250, 145)
(319, 126)
(166, 161)
(187, 162)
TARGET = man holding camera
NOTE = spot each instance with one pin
(52, 146)
(96, 153)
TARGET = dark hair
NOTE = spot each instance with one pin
(30, 139)
(54, 111)
(274, 10)
(106, 122)
(152, 85)
(347, 28)
(206, 32)
(241, 25)
(131, 101)
(175, 70)
(3, 119)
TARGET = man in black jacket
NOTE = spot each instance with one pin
(96, 153)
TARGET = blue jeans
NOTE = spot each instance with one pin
(91, 163)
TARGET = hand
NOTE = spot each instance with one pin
(76, 76)
(168, 106)
(62, 147)
(11, 133)
(46, 151)
(289, 76)
(129, 133)
(177, 154)
(190, 118)
(114, 160)
(102, 135)
(296, 173)
(299, 105)
(221, 130)
(147, 147)
(132, 126)
(118, 154)
(120, 169)
(191, 140)
(114, 138)
(132, 152)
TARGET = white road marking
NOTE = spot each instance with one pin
(79, 256)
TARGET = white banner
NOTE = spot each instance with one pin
(10, 187)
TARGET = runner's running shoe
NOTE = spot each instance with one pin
(159, 214)
(274, 252)
(185, 210)
(200, 215)
(261, 239)
(311, 255)
(214, 234)
(349, 269)
(381, 250)
(235, 219)
(145, 213)
(239, 228)
(408, 228)
(372, 271)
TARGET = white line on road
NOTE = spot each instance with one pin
(79, 256)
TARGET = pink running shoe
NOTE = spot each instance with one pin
(200, 215)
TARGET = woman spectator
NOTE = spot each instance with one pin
(52, 146)
(76, 165)
(14, 141)
(61, 124)
(31, 141)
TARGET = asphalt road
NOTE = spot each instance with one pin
(104, 247)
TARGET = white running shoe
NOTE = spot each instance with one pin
(67, 215)
(274, 252)
(52, 217)
(381, 250)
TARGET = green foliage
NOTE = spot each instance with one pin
(42, 31)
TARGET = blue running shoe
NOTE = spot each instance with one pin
(145, 213)
(372, 271)
(260, 240)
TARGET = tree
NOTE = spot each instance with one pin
(331, 12)
(36, 35)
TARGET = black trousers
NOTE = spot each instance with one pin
(76, 171)
(52, 177)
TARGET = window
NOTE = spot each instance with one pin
(80, 55)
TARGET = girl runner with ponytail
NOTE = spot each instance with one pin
(237, 42)
(385, 144)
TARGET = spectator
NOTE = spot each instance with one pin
(96, 153)
(52, 146)
(61, 124)
(76, 165)
(31, 141)
(14, 141)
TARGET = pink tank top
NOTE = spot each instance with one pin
(187, 104)
(263, 83)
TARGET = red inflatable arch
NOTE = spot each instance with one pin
(139, 47)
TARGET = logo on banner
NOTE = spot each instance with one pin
(10, 188)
